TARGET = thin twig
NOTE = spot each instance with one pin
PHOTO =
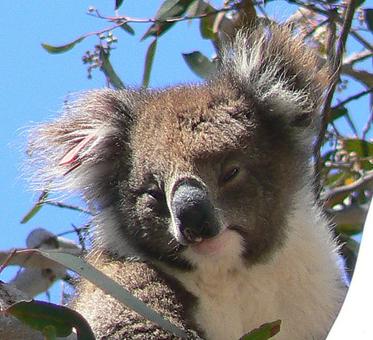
(352, 125)
(121, 20)
(356, 57)
(370, 120)
(7, 260)
(78, 231)
(125, 19)
(331, 40)
(318, 10)
(362, 41)
(336, 69)
(351, 98)
(322, 23)
(67, 206)
(67, 232)
(335, 129)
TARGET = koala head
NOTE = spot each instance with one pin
(193, 169)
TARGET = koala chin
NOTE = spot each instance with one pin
(202, 196)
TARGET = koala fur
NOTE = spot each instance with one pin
(202, 196)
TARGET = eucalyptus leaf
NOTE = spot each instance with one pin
(200, 64)
(128, 28)
(149, 62)
(111, 287)
(62, 48)
(197, 7)
(349, 229)
(206, 25)
(169, 9)
(335, 177)
(48, 317)
(362, 148)
(109, 71)
(264, 332)
(118, 3)
(36, 208)
(336, 113)
(359, 3)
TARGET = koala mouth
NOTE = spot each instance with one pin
(213, 245)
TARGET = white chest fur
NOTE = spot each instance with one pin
(300, 285)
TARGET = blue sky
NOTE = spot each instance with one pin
(34, 84)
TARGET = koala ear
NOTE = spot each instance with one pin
(279, 72)
(86, 147)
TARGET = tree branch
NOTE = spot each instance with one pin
(351, 98)
(126, 19)
(362, 76)
(321, 11)
(356, 57)
(67, 206)
(332, 196)
(336, 69)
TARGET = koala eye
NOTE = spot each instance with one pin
(155, 193)
(230, 175)
(155, 199)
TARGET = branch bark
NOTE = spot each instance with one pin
(331, 197)
(335, 69)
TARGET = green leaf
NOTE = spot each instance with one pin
(264, 332)
(168, 10)
(128, 28)
(335, 177)
(62, 48)
(200, 64)
(35, 209)
(368, 14)
(359, 3)
(108, 70)
(349, 229)
(48, 318)
(49, 332)
(206, 25)
(172, 8)
(149, 62)
(110, 287)
(196, 8)
(327, 156)
(336, 113)
(118, 3)
(362, 148)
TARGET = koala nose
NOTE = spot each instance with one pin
(193, 211)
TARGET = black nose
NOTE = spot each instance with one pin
(193, 211)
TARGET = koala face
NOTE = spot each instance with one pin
(174, 171)
(205, 160)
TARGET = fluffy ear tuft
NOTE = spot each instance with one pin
(279, 72)
(84, 148)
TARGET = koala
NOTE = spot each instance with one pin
(202, 196)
